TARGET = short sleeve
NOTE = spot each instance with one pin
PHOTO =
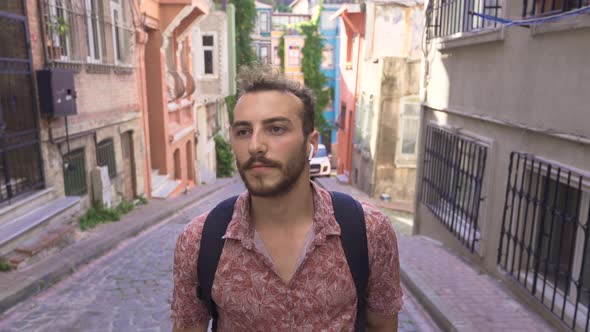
(187, 310)
(384, 290)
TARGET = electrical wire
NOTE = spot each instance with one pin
(535, 20)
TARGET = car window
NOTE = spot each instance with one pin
(322, 152)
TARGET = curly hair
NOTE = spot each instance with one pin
(259, 77)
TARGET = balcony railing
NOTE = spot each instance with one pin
(550, 7)
(449, 17)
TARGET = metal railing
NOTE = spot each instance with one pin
(105, 156)
(75, 33)
(75, 173)
(549, 7)
(452, 180)
(544, 236)
(449, 17)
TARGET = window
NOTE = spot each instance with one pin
(358, 125)
(544, 235)
(449, 17)
(275, 55)
(58, 21)
(551, 7)
(263, 55)
(121, 33)
(208, 46)
(294, 56)
(328, 56)
(452, 180)
(263, 22)
(409, 123)
(105, 156)
(94, 28)
(212, 120)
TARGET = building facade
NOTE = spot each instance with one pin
(212, 63)
(170, 92)
(504, 159)
(72, 126)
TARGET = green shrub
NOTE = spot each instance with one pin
(99, 215)
(4, 265)
(225, 157)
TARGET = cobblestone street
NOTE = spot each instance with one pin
(130, 288)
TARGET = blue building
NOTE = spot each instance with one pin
(330, 62)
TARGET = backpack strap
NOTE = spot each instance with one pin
(213, 230)
(351, 218)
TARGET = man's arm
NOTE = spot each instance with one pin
(198, 328)
(381, 323)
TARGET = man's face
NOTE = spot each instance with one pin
(267, 139)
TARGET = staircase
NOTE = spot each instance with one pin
(36, 225)
(162, 185)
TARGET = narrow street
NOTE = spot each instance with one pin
(130, 288)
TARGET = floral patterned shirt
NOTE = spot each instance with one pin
(321, 296)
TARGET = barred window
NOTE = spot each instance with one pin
(544, 235)
(78, 31)
(452, 180)
(551, 7)
(105, 156)
(449, 17)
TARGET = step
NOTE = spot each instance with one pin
(24, 204)
(16, 230)
(42, 245)
(159, 181)
(165, 190)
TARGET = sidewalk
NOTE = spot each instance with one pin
(454, 293)
(16, 286)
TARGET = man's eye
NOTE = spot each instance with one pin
(275, 130)
(242, 132)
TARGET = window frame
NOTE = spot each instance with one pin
(296, 49)
(266, 27)
(91, 32)
(214, 55)
(56, 39)
(407, 160)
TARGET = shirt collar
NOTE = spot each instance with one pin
(324, 223)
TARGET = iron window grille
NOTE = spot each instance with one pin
(449, 17)
(452, 180)
(544, 236)
(531, 8)
(78, 31)
(105, 156)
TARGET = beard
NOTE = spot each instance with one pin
(262, 185)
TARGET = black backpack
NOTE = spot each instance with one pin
(349, 215)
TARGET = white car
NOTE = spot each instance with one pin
(320, 164)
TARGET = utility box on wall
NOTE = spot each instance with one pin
(57, 93)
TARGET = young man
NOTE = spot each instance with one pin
(283, 267)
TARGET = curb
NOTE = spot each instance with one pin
(442, 313)
(77, 258)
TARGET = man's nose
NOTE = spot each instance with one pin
(257, 143)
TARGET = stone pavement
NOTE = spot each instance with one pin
(130, 288)
(456, 294)
(16, 286)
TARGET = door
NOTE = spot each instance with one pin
(128, 165)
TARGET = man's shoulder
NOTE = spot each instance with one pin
(375, 220)
(193, 231)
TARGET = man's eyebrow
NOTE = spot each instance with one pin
(276, 119)
(265, 121)
(241, 123)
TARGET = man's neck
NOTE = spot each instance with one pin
(289, 209)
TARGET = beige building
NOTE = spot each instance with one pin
(387, 102)
(504, 161)
(211, 66)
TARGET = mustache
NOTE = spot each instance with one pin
(261, 160)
